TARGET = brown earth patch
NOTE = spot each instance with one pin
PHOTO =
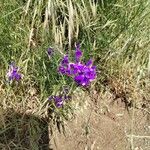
(103, 125)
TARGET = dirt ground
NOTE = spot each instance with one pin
(105, 125)
(99, 124)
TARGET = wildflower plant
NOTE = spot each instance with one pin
(13, 73)
(50, 51)
(82, 74)
(59, 100)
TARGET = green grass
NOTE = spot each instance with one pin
(115, 33)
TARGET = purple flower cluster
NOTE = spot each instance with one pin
(13, 73)
(82, 74)
(59, 100)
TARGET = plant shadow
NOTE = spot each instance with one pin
(23, 132)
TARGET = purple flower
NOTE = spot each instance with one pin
(12, 73)
(77, 46)
(62, 69)
(65, 60)
(72, 69)
(82, 74)
(80, 79)
(59, 100)
(85, 76)
(89, 63)
(81, 67)
(50, 51)
(78, 53)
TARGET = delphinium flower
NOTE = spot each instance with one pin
(64, 65)
(82, 73)
(50, 51)
(13, 73)
(78, 53)
(59, 100)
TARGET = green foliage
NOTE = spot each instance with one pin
(114, 33)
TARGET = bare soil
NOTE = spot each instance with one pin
(105, 125)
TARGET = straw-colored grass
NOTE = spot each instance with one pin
(115, 33)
